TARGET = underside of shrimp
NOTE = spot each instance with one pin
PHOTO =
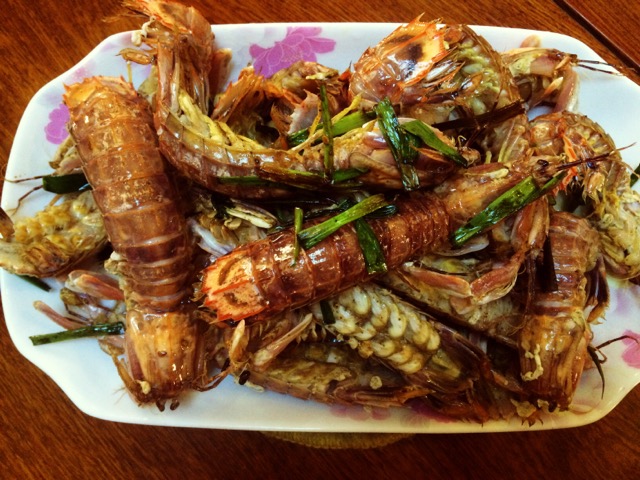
(54, 240)
(556, 333)
(601, 178)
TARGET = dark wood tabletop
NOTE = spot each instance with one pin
(43, 435)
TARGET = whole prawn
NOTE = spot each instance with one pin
(601, 178)
(112, 128)
(54, 240)
(544, 76)
(202, 149)
(556, 331)
(211, 153)
(261, 278)
(447, 76)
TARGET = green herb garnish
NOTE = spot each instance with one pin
(36, 282)
(298, 216)
(340, 127)
(96, 330)
(327, 313)
(634, 177)
(344, 174)
(371, 248)
(430, 139)
(313, 235)
(401, 144)
(69, 183)
(249, 180)
(506, 204)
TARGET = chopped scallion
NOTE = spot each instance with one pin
(428, 136)
(345, 124)
(36, 282)
(634, 177)
(313, 235)
(96, 330)
(345, 174)
(327, 313)
(371, 248)
(69, 183)
(298, 216)
(249, 180)
(506, 204)
(400, 143)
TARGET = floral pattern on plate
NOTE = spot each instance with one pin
(56, 130)
(299, 43)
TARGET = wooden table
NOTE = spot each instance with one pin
(44, 436)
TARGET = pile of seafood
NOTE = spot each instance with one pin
(400, 232)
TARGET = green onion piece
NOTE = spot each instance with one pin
(428, 136)
(36, 282)
(400, 143)
(345, 124)
(298, 216)
(506, 204)
(345, 174)
(634, 177)
(315, 234)
(327, 137)
(327, 313)
(249, 180)
(371, 248)
(69, 183)
(384, 212)
(96, 330)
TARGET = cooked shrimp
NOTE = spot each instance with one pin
(210, 152)
(603, 180)
(473, 289)
(556, 333)
(259, 279)
(112, 128)
(544, 76)
(445, 75)
(54, 240)
(333, 373)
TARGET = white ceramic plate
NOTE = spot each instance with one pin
(88, 376)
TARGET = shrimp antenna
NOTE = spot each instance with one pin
(622, 69)
(599, 358)
(598, 361)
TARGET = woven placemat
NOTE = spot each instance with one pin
(339, 440)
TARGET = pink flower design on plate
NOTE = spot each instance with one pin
(631, 354)
(56, 129)
(300, 43)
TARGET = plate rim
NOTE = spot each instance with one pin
(152, 419)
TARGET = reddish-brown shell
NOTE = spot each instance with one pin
(262, 278)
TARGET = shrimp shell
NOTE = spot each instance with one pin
(112, 127)
(554, 339)
(113, 131)
(260, 279)
(55, 239)
(333, 373)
